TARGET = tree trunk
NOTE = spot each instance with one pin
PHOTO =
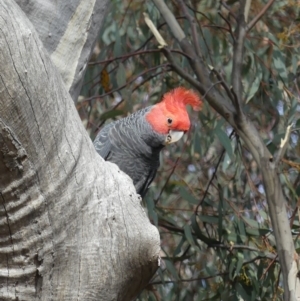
(68, 30)
(71, 225)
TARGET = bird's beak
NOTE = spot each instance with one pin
(173, 136)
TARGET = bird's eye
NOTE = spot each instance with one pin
(169, 120)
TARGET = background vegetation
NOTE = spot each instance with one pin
(208, 199)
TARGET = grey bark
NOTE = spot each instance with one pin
(71, 225)
(68, 30)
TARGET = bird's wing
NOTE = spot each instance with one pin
(145, 180)
(102, 142)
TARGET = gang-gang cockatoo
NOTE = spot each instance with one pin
(134, 142)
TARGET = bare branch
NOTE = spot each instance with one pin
(245, 128)
(216, 100)
(183, 72)
(228, 8)
(244, 247)
(259, 16)
(170, 19)
(192, 22)
(129, 82)
(188, 280)
(162, 43)
(229, 25)
(238, 52)
(247, 9)
(283, 144)
(125, 56)
(223, 83)
(131, 54)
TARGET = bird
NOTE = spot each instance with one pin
(134, 142)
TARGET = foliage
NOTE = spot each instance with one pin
(208, 199)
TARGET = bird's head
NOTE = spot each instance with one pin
(170, 117)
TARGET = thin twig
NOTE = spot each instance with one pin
(238, 54)
(141, 52)
(223, 83)
(162, 43)
(188, 280)
(152, 36)
(172, 171)
(192, 25)
(235, 101)
(210, 181)
(283, 145)
(122, 100)
(259, 16)
(228, 8)
(166, 65)
(170, 227)
(212, 177)
(229, 25)
(267, 269)
(125, 56)
(244, 247)
(183, 72)
(216, 100)
(270, 257)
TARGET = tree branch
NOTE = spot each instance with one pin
(238, 54)
(183, 72)
(250, 136)
(216, 100)
(283, 145)
(49, 166)
(259, 16)
(192, 22)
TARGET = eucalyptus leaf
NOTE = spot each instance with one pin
(171, 268)
(188, 235)
(225, 141)
(121, 75)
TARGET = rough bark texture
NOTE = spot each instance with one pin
(71, 225)
(68, 30)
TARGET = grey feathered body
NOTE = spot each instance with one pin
(132, 144)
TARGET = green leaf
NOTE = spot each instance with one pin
(178, 248)
(233, 237)
(121, 75)
(225, 141)
(220, 212)
(197, 144)
(171, 268)
(226, 162)
(209, 219)
(188, 235)
(257, 232)
(106, 36)
(161, 275)
(151, 297)
(255, 84)
(199, 234)
(279, 64)
(241, 226)
(118, 45)
(225, 294)
(187, 196)
(240, 261)
(232, 269)
(111, 114)
(151, 210)
(251, 222)
(242, 292)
